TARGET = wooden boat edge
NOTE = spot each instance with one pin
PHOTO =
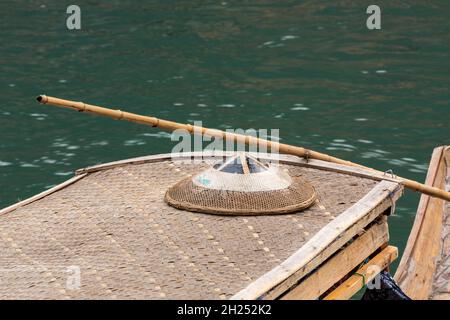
(285, 275)
(421, 289)
(42, 194)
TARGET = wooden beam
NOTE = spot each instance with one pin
(341, 264)
(364, 275)
(323, 245)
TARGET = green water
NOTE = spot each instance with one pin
(311, 68)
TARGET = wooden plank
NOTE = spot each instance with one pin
(325, 243)
(42, 194)
(361, 209)
(421, 210)
(338, 266)
(364, 275)
(417, 267)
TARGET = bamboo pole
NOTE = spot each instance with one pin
(239, 138)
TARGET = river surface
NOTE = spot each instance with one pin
(309, 68)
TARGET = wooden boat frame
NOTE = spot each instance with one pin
(326, 250)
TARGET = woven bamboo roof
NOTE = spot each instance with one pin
(112, 224)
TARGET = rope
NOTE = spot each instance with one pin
(84, 107)
(307, 156)
(391, 172)
(393, 203)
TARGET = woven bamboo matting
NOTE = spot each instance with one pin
(114, 230)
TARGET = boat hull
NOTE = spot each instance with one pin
(424, 269)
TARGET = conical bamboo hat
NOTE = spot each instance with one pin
(242, 185)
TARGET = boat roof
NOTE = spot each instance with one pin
(110, 226)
